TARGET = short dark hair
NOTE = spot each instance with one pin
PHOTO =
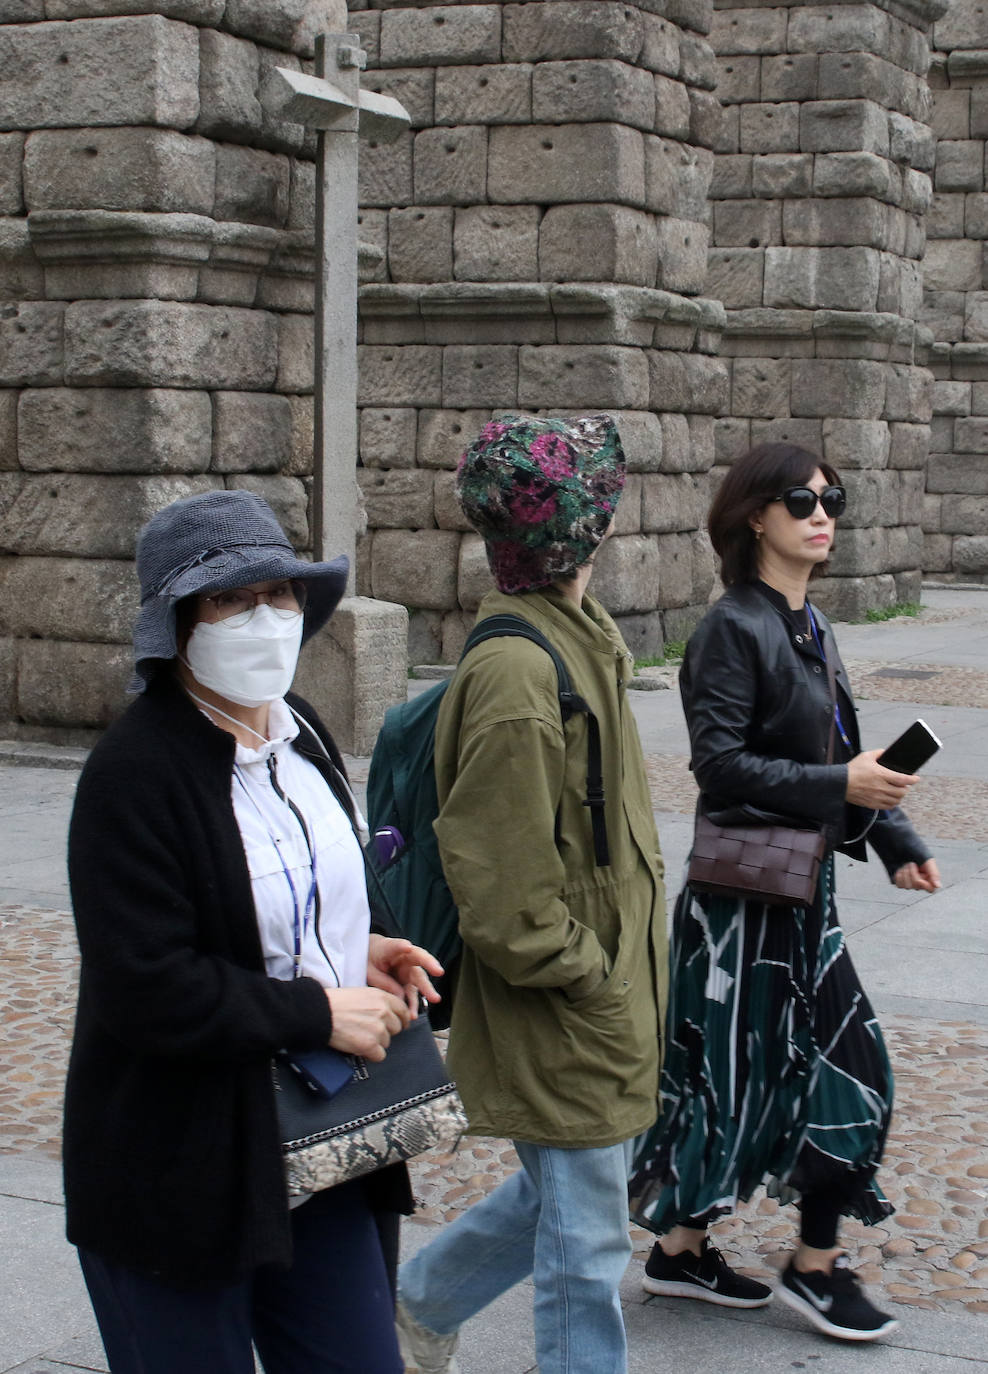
(752, 480)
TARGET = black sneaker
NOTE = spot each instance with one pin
(706, 1276)
(834, 1302)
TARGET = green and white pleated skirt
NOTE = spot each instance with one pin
(775, 1068)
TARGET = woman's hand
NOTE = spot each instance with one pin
(365, 1019)
(401, 968)
(874, 787)
(918, 877)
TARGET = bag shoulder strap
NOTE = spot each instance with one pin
(570, 703)
(823, 641)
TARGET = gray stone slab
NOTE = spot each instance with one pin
(665, 1335)
(44, 1302)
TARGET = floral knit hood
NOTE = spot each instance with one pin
(541, 493)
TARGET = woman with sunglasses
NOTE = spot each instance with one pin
(775, 1068)
(219, 895)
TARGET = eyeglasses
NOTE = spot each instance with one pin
(800, 502)
(239, 603)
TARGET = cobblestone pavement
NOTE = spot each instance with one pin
(932, 1253)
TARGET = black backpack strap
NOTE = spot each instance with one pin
(501, 626)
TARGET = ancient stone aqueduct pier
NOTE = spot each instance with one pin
(721, 223)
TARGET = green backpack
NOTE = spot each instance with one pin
(401, 793)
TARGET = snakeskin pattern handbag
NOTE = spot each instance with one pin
(388, 1112)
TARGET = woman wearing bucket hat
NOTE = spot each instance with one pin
(219, 897)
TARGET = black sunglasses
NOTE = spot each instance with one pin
(800, 502)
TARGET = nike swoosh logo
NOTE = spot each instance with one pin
(821, 1304)
(707, 1283)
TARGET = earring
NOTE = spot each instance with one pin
(758, 534)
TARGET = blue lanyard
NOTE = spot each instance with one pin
(300, 919)
(837, 718)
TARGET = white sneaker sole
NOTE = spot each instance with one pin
(817, 1319)
(667, 1288)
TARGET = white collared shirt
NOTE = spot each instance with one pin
(335, 938)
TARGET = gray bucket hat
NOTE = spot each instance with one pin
(209, 543)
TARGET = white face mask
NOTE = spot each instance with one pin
(250, 664)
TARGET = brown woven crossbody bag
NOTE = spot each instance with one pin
(767, 862)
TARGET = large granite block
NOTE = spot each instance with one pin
(496, 243)
(143, 169)
(441, 35)
(416, 567)
(546, 165)
(165, 343)
(420, 243)
(587, 377)
(450, 165)
(491, 94)
(560, 29)
(48, 72)
(598, 243)
(31, 344)
(125, 430)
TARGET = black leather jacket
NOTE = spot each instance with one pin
(757, 704)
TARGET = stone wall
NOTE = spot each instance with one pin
(155, 311)
(820, 189)
(544, 229)
(956, 299)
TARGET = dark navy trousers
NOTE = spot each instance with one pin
(331, 1313)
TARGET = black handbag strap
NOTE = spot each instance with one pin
(831, 680)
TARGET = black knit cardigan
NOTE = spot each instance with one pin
(172, 1155)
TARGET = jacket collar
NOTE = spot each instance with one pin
(554, 612)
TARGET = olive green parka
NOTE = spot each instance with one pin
(555, 1031)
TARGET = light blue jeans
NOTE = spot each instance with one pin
(563, 1217)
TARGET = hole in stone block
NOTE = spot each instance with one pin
(547, 144)
(63, 59)
(450, 147)
(484, 81)
(439, 20)
(90, 151)
(753, 243)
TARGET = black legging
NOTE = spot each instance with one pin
(819, 1220)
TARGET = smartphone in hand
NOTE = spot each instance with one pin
(911, 750)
